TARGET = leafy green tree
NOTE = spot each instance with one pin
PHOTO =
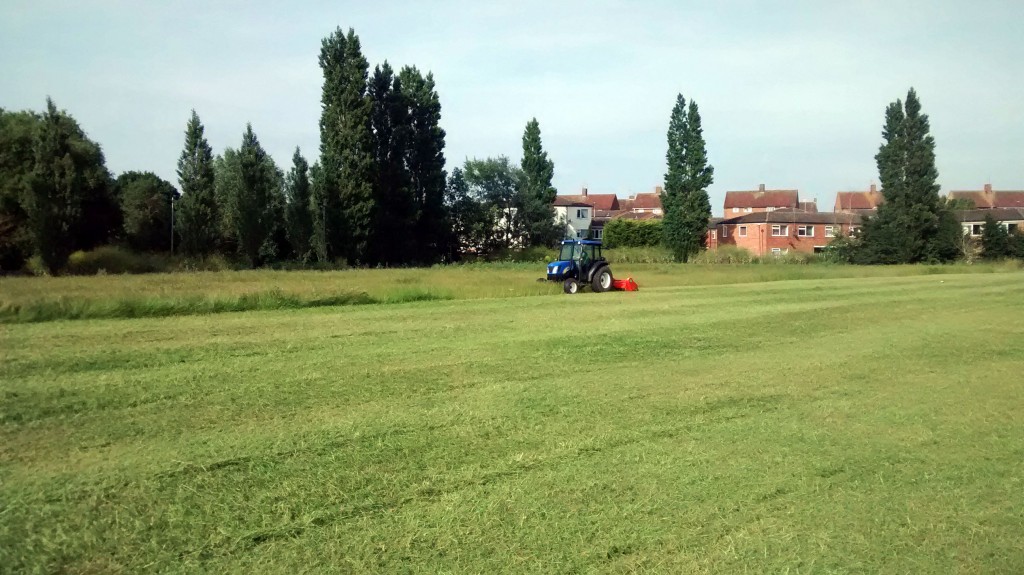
(17, 160)
(299, 215)
(146, 204)
(196, 215)
(69, 196)
(995, 241)
(1016, 243)
(685, 199)
(251, 205)
(227, 183)
(913, 224)
(535, 209)
(471, 226)
(496, 184)
(343, 184)
(394, 199)
(425, 160)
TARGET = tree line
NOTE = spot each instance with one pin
(378, 194)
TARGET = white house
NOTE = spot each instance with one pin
(575, 216)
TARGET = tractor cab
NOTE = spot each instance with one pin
(580, 262)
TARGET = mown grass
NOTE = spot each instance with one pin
(34, 299)
(868, 425)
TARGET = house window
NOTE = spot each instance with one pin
(779, 231)
(805, 231)
(598, 233)
(579, 233)
(714, 235)
(735, 210)
(743, 231)
(830, 231)
(1012, 228)
(725, 232)
(776, 251)
(581, 213)
(770, 209)
(748, 210)
(976, 229)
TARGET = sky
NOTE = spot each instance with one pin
(791, 94)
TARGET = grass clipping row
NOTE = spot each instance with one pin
(139, 307)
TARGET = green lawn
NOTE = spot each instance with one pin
(860, 425)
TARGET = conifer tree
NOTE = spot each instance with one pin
(53, 201)
(995, 241)
(252, 203)
(536, 210)
(196, 215)
(913, 224)
(299, 215)
(685, 196)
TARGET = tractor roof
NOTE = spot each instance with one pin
(584, 242)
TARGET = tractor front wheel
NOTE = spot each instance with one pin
(602, 280)
(571, 286)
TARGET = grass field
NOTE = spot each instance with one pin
(837, 425)
(32, 299)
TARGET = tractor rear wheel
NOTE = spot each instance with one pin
(571, 286)
(602, 280)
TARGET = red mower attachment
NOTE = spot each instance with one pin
(625, 285)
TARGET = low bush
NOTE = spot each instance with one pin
(116, 260)
(622, 233)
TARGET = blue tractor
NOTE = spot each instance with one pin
(580, 264)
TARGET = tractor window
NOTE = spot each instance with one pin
(566, 253)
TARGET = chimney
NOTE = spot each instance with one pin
(584, 194)
(658, 190)
(988, 188)
(760, 188)
(873, 190)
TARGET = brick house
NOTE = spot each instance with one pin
(859, 202)
(760, 200)
(989, 199)
(781, 231)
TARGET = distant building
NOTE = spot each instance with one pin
(973, 221)
(760, 200)
(859, 202)
(989, 199)
(781, 231)
(575, 216)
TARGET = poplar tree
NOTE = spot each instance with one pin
(536, 209)
(425, 160)
(343, 188)
(394, 226)
(196, 215)
(685, 199)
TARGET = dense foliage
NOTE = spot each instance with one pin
(622, 233)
